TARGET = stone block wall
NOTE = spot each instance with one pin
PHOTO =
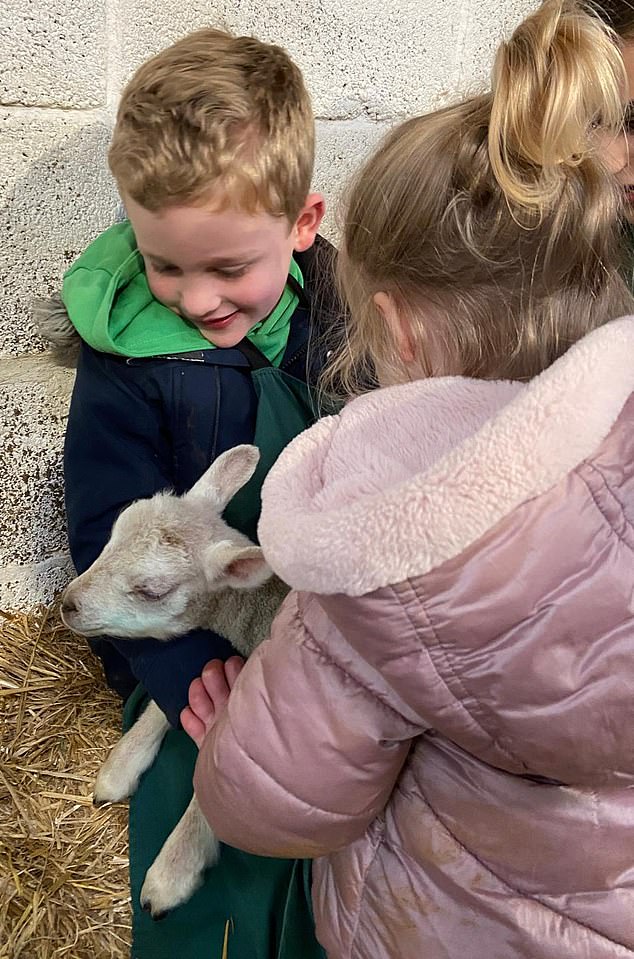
(368, 63)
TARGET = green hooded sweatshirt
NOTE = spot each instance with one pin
(109, 301)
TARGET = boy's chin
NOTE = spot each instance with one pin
(225, 339)
(222, 342)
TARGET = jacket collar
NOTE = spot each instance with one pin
(408, 477)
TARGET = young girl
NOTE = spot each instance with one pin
(442, 715)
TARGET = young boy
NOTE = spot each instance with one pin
(195, 316)
(619, 15)
(213, 156)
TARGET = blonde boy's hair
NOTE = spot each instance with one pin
(493, 224)
(216, 119)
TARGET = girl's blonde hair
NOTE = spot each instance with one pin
(492, 224)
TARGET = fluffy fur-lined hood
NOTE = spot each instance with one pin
(407, 478)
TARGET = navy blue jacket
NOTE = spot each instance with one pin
(137, 426)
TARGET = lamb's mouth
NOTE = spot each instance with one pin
(81, 629)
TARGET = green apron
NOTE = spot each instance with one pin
(285, 408)
(262, 905)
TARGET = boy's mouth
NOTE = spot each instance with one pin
(219, 322)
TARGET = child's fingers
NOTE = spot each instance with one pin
(193, 726)
(215, 683)
(207, 694)
(200, 703)
(233, 668)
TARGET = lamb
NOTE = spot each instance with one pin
(172, 564)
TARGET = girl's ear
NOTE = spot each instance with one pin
(399, 325)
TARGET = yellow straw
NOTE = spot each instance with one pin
(225, 945)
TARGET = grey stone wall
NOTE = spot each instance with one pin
(367, 63)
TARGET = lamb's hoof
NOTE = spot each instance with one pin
(113, 785)
(179, 869)
(168, 885)
(146, 906)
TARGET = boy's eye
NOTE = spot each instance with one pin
(164, 268)
(232, 274)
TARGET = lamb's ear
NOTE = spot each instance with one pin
(239, 566)
(226, 475)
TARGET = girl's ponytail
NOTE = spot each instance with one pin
(557, 86)
(493, 224)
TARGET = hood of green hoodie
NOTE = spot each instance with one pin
(110, 304)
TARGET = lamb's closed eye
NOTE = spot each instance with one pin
(153, 591)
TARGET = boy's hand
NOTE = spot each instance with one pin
(208, 696)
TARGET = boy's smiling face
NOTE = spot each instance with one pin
(619, 152)
(222, 271)
(626, 176)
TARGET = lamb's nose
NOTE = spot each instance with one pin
(69, 606)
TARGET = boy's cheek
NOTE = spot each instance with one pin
(161, 290)
(614, 153)
(264, 289)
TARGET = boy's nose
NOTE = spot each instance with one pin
(200, 300)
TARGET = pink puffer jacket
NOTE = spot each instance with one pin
(444, 714)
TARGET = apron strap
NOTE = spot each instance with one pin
(255, 358)
(298, 290)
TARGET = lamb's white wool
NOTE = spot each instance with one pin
(172, 564)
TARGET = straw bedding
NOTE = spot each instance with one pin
(63, 864)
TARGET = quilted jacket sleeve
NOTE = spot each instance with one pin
(120, 447)
(305, 756)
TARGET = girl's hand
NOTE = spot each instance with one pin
(208, 696)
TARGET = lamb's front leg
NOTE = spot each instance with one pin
(178, 869)
(135, 752)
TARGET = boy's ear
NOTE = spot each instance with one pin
(308, 222)
(238, 566)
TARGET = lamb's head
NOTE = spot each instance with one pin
(165, 555)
